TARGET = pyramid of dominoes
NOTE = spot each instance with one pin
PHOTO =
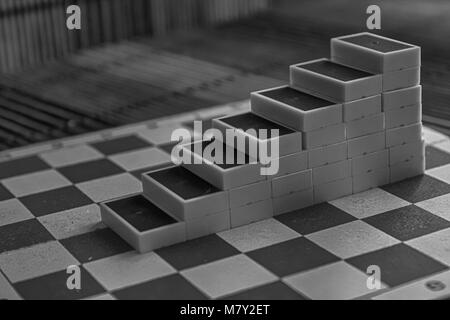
(345, 125)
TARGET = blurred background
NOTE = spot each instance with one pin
(135, 60)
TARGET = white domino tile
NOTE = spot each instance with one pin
(324, 136)
(327, 155)
(250, 194)
(367, 163)
(403, 116)
(294, 182)
(362, 108)
(404, 135)
(333, 190)
(407, 169)
(292, 163)
(293, 201)
(365, 126)
(366, 144)
(399, 79)
(401, 98)
(332, 172)
(254, 212)
(210, 224)
(406, 152)
(375, 178)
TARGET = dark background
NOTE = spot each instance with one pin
(141, 59)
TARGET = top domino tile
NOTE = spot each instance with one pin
(374, 53)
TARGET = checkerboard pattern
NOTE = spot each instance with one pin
(50, 219)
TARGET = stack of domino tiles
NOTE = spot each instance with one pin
(176, 205)
(398, 63)
(238, 175)
(344, 125)
(291, 187)
(362, 129)
(359, 114)
(322, 164)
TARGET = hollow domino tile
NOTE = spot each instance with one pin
(290, 141)
(141, 223)
(295, 109)
(182, 194)
(232, 170)
(334, 81)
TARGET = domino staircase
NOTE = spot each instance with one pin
(346, 125)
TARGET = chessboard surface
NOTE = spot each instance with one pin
(50, 219)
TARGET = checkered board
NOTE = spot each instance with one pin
(49, 220)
